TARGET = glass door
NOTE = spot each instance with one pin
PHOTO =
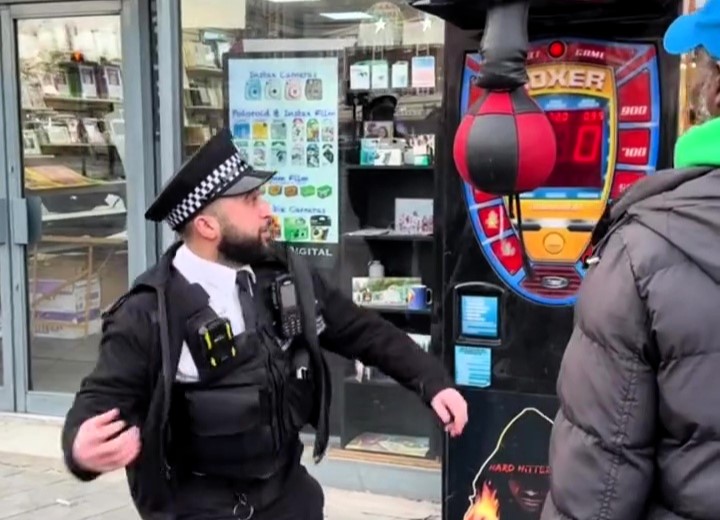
(76, 187)
(7, 390)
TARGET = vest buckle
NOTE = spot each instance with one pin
(243, 510)
(301, 374)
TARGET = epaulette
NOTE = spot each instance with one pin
(136, 289)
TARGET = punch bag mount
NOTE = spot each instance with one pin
(505, 144)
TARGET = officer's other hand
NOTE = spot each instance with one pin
(452, 410)
(99, 448)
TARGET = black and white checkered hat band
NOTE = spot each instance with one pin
(207, 190)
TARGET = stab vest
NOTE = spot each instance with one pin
(242, 419)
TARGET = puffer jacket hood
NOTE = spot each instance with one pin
(683, 205)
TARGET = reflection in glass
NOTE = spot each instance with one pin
(73, 148)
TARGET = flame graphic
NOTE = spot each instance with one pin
(486, 506)
(507, 248)
(493, 220)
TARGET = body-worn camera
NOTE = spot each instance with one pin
(216, 338)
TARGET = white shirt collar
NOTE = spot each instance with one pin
(205, 272)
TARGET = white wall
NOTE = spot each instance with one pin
(213, 14)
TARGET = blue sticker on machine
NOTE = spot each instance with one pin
(480, 316)
(473, 366)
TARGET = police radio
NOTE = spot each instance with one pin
(286, 303)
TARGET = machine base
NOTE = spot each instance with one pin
(499, 467)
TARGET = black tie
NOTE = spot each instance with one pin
(247, 303)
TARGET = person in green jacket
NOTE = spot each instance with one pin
(638, 431)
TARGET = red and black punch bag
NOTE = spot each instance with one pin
(505, 144)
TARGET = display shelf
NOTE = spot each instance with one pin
(111, 241)
(38, 157)
(385, 309)
(204, 70)
(117, 187)
(90, 101)
(77, 145)
(85, 249)
(385, 410)
(84, 215)
(38, 109)
(407, 168)
(203, 96)
(201, 107)
(386, 237)
(388, 444)
(72, 123)
(60, 244)
(380, 408)
(71, 91)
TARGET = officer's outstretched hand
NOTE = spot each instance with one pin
(99, 448)
(452, 409)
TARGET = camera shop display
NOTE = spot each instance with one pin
(392, 106)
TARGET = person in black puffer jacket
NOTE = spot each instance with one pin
(637, 435)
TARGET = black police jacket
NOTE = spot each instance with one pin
(134, 374)
(242, 419)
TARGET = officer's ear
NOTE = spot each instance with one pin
(206, 226)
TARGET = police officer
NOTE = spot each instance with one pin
(211, 364)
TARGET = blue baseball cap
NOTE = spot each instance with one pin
(701, 28)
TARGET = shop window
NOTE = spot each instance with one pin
(344, 99)
(72, 129)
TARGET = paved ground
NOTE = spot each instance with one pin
(35, 486)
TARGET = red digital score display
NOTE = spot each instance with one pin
(579, 135)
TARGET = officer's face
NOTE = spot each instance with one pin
(244, 227)
(237, 228)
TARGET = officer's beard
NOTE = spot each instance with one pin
(235, 249)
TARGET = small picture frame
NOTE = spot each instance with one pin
(48, 86)
(378, 129)
(62, 83)
(414, 216)
(420, 150)
(112, 78)
(31, 146)
(92, 131)
(88, 84)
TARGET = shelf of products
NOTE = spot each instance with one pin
(202, 88)
(72, 129)
(366, 235)
(387, 242)
(391, 168)
(387, 309)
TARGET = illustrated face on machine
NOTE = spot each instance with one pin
(603, 102)
(515, 479)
